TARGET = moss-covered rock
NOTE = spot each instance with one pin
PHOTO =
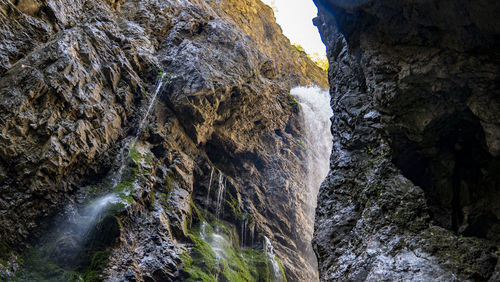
(215, 253)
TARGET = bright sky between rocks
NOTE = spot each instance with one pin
(295, 18)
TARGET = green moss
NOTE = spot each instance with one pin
(116, 208)
(3, 262)
(186, 259)
(282, 271)
(38, 266)
(4, 250)
(196, 275)
(152, 196)
(134, 154)
(148, 157)
(302, 144)
(128, 181)
(234, 265)
(127, 198)
(124, 188)
(195, 211)
(168, 182)
(202, 254)
(163, 197)
(293, 104)
(98, 262)
(298, 48)
(235, 207)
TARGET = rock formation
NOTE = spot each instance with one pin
(413, 192)
(75, 79)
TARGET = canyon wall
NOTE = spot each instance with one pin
(75, 79)
(413, 192)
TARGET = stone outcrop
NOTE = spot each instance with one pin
(413, 192)
(75, 78)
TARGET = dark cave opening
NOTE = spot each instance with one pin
(460, 178)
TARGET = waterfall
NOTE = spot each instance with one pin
(209, 186)
(68, 243)
(271, 258)
(220, 195)
(316, 113)
(252, 233)
(243, 229)
(203, 231)
(89, 215)
(125, 150)
(215, 240)
(122, 162)
(317, 142)
(159, 84)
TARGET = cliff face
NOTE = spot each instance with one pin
(75, 80)
(413, 192)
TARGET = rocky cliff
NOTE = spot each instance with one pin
(414, 188)
(222, 142)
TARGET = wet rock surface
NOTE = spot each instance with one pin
(413, 192)
(76, 77)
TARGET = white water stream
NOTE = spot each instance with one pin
(316, 113)
(125, 150)
(207, 202)
(220, 195)
(72, 234)
(271, 258)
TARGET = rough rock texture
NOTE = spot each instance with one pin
(414, 188)
(75, 76)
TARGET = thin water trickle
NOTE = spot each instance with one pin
(271, 257)
(159, 84)
(243, 228)
(220, 195)
(209, 186)
(122, 163)
(203, 231)
(123, 156)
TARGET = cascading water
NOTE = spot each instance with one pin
(214, 240)
(271, 258)
(159, 84)
(85, 230)
(217, 253)
(220, 195)
(125, 150)
(210, 186)
(316, 113)
(243, 230)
